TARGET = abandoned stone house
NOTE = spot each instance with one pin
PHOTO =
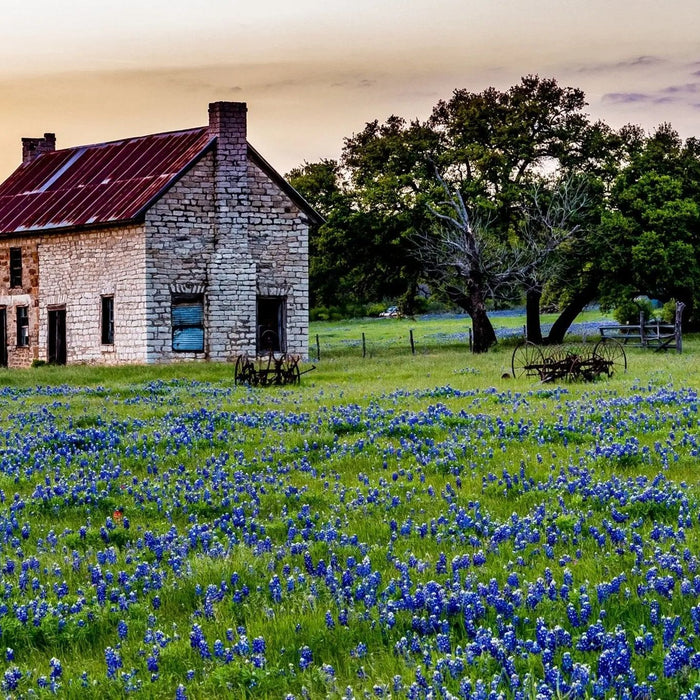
(184, 245)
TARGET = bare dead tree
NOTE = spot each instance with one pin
(552, 222)
(470, 264)
(461, 262)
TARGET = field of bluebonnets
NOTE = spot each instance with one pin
(396, 527)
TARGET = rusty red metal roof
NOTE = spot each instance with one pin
(101, 184)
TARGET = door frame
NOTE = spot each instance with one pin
(3, 336)
(55, 327)
(271, 336)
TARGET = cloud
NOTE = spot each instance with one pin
(671, 94)
(633, 63)
(627, 97)
(353, 83)
(687, 89)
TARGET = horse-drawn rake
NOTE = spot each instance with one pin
(273, 369)
(569, 362)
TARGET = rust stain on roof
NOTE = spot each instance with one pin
(100, 184)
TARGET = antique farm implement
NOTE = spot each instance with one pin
(569, 362)
(273, 369)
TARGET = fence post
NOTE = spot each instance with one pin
(318, 349)
(678, 327)
(642, 340)
(525, 332)
(413, 347)
(364, 346)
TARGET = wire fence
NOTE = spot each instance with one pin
(413, 341)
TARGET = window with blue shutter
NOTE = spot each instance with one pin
(188, 322)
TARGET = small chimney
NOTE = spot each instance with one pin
(34, 147)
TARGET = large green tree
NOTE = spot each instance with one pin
(650, 234)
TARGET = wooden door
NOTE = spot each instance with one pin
(57, 336)
(3, 337)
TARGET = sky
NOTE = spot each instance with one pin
(313, 72)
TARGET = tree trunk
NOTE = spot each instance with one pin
(484, 335)
(474, 304)
(571, 311)
(532, 316)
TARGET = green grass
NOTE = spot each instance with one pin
(430, 333)
(439, 443)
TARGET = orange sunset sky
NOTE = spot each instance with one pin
(313, 72)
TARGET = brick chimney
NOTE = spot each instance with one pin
(231, 270)
(34, 147)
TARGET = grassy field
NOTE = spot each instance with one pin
(436, 332)
(398, 526)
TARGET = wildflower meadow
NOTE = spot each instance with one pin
(393, 528)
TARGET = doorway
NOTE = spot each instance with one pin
(57, 336)
(271, 324)
(3, 337)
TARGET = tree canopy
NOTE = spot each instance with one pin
(549, 203)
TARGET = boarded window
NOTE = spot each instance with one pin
(15, 267)
(22, 326)
(108, 320)
(188, 322)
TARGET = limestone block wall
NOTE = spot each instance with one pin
(76, 270)
(278, 239)
(178, 247)
(26, 295)
(231, 310)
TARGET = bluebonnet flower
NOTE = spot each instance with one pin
(11, 678)
(114, 662)
(56, 668)
(122, 629)
(198, 642)
(305, 658)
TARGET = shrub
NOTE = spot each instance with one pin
(628, 311)
(319, 313)
(376, 308)
(668, 311)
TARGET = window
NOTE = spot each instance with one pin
(15, 267)
(22, 326)
(108, 320)
(188, 322)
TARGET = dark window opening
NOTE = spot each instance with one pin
(107, 320)
(22, 326)
(15, 267)
(188, 322)
(271, 324)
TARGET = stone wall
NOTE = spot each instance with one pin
(178, 246)
(77, 269)
(185, 254)
(278, 241)
(26, 295)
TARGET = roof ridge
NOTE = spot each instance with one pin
(127, 139)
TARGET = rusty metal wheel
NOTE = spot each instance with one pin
(612, 355)
(527, 360)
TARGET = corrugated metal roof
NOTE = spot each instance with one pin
(100, 184)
